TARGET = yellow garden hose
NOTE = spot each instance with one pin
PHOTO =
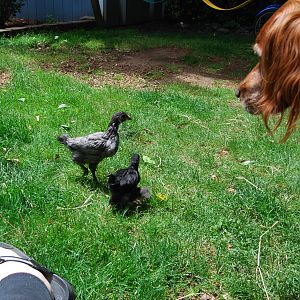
(232, 8)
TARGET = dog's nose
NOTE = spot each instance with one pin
(238, 92)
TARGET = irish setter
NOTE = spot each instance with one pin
(273, 85)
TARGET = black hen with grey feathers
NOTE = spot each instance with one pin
(123, 186)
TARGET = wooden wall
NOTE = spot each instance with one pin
(115, 12)
(56, 10)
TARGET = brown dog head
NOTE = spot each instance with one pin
(273, 85)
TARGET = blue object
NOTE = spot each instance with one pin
(154, 1)
(55, 10)
(269, 8)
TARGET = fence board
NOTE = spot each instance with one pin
(59, 10)
(56, 10)
(115, 12)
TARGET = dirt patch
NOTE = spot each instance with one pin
(152, 58)
(150, 68)
(122, 80)
(4, 78)
(195, 79)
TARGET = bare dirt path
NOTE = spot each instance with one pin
(152, 68)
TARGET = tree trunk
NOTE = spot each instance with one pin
(97, 12)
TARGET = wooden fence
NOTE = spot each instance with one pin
(56, 10)
(115, 12)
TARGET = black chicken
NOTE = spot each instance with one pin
(123, 186)
(93, 148)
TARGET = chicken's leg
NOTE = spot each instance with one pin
(84, 169)
(93, 168)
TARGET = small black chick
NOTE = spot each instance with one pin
(123, 186)
(93, 148)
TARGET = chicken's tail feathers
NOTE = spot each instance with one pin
(145, 193)
(135, 161)
(63, 139)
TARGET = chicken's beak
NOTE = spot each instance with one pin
(128, 118)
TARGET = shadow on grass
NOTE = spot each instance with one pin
(133, 208)
(93, 185)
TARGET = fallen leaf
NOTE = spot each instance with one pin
(56, 37)
(66, 127)
(148, 160)
(247, 162)
(62, 106)
(161, 197)
(231, 190)
(13, 160)
(22, 99)
(207, 297)
(214, 177)
(37, 118)
(229, 247)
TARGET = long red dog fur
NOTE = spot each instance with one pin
(273, 86)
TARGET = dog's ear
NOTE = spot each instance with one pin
(280, 69)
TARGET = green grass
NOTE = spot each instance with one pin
(205, 235)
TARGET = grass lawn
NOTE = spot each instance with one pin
(218, 181)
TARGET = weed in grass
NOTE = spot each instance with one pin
(190, 59)
(119, 77)
(173, 68)
(155, 75)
